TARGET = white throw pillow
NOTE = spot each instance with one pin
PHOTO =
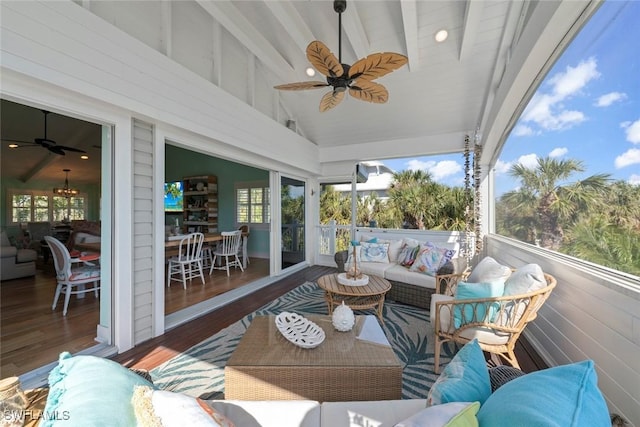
(489, 270)
(525, 279)
(168, 409)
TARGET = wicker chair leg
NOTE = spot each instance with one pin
(436, 355)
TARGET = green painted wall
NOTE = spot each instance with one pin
(181, 163)
(92, 191)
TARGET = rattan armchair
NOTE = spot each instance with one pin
(495, 322)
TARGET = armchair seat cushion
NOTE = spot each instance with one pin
(26, 255)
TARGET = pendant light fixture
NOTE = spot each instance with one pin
(66, 191)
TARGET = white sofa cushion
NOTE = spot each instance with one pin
(375, 268)
(272, 413)
(369, 413)
(402, 274)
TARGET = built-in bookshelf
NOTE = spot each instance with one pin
(200, 204)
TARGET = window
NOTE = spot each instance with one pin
(574, 185)
(252, 203)
(28, 206)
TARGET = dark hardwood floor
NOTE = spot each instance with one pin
(32, 335)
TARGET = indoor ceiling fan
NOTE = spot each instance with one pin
(357, 77)
(44, 142)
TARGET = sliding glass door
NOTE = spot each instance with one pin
(292, 193)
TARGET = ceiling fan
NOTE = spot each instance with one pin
(45, 142)
(357, 77)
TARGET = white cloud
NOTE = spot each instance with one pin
(547, 110)
(438, 170)
(634, 179)
(574, 78)
(522, 130)
(633, 132)
(558, 152)
(502, 167)
(610, 98)
(631, 157)
(529, 161)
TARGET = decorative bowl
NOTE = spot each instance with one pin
(343, 279)
(299, 330)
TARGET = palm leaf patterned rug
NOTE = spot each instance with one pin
(199, 371)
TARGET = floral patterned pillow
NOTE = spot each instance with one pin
(408, 255)
(374, 252)
(430, 258)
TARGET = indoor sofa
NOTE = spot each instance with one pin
(14, 262)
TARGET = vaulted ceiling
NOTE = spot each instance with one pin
(473, 83)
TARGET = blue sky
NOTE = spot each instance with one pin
(587, 108)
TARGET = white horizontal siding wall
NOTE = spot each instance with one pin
(593, 313)
(66, 45)
(143, 261)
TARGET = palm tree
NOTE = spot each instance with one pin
(548, 203)
(597, 240)
(412, 193)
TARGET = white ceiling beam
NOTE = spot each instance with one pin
(292, 22)
(472, 17)
(410, 23)
(231, 19)
(167, 31)
(354, 30)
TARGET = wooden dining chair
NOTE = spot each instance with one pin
(188, 263)
(72, 274)
(244, 229)
(228, 252)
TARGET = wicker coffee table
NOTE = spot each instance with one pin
(265, 366)
(370, 295)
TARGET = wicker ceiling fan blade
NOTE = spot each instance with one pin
(323, 59)
(377, 65)
(302, 85)
(369, 91)
(330, 100)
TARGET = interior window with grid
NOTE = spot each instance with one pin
(28, 206)
(252, 204)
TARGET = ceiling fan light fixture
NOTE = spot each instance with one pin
(310, 72)
(357, 78)
(66, 191)
(13, 145)
(84, 157)
(441, 35)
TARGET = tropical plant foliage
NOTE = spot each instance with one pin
(414, 201)
(594, 218)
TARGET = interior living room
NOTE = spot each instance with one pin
(227, 86)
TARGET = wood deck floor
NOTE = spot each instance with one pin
(156, 351)
(32, 335)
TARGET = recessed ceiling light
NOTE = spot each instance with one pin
(310, 72)
(13, 145)
(441, 36)
(84, 157)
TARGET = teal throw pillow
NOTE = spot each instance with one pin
(563, 396)
(464, 379)
(476, 312)
(87, 391)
